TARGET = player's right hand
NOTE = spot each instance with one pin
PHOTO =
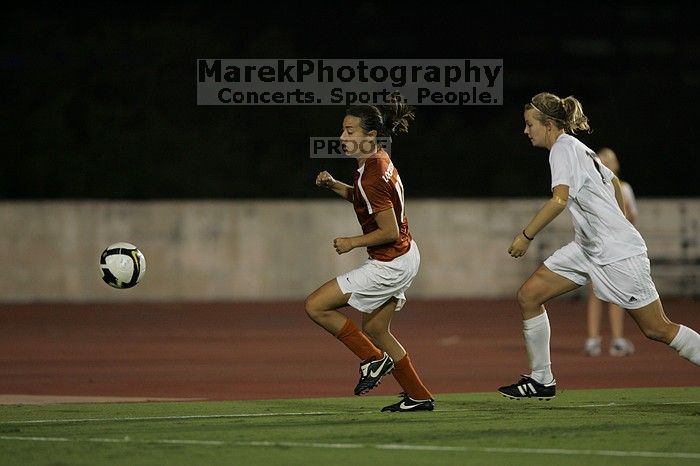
(325, 180)
(519, 246)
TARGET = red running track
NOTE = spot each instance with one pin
(272, 350)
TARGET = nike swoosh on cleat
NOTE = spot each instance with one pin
(403, 405)
(376, 373)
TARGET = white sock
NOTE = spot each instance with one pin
(687, 343)
(537, 332)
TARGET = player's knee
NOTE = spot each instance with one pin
(312, 308)
(527, 296)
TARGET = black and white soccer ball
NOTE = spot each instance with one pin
(122, 265)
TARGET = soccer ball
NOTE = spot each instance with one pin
(122, 265)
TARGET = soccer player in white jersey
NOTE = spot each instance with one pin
(607, 249)
(619, 345)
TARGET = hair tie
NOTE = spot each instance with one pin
(545, 114)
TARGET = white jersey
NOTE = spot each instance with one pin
(601, 229)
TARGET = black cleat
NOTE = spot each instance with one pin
(528, 388)
(409, 404)
(371, 373)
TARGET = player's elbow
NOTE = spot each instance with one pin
(559, 201)
(391, 235)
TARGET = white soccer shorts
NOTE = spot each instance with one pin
(626, 282)
(375, 282)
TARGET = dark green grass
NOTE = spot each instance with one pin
(607, 427)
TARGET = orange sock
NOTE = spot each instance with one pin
(357, 342)
(405, 374)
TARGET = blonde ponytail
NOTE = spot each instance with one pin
(566, 114)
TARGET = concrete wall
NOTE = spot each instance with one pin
(264, 250)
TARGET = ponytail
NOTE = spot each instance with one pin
(387, 120)
(397, 115)
(575, 118)
(567, 113)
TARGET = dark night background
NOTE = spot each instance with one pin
(100, 103)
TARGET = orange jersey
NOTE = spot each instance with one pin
(378, 187)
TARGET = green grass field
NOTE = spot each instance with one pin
(608, 427)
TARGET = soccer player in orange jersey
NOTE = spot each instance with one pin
(377, 287)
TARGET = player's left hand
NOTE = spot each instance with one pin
(342, 245)
(519, 246)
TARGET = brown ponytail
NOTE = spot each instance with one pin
(388, 120)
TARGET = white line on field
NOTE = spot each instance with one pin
(605, 405)
(126, 439)
(36, 439)
(169, 418)
(310, 413)
(190, 442)
(384, 446)
(546, 451)
(601, 405)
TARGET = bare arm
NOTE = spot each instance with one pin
(343, 190)
(619, 198)
(387, 232)
(549, 211)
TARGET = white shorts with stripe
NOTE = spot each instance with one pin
(626, 282)
(375, 282)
